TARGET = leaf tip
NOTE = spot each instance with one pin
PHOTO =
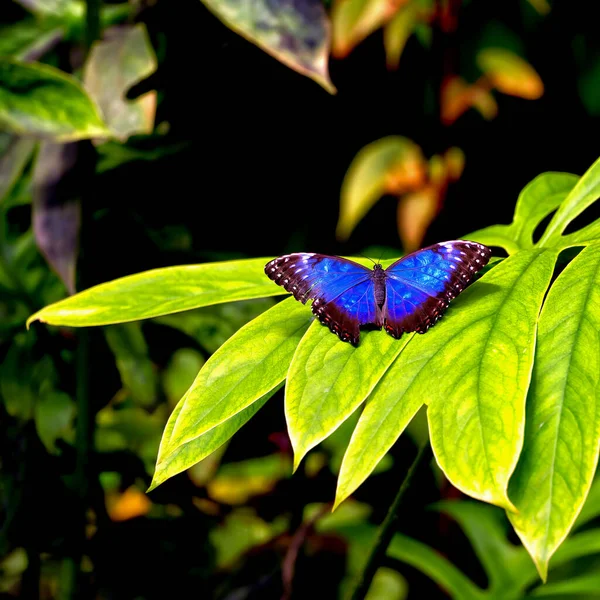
(31, 319)
(297, 460)
(156, 481)
(541, 564)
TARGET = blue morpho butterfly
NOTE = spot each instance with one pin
(410, 295)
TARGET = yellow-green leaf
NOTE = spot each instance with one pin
(250, 364)
(329, 379)
(562, 435)
(477, 371)
(39, 100)
(382, 421)
(161, 292)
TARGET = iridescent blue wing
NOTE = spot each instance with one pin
(342, 290)
(420, 286)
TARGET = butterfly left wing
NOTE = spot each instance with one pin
(342, 290)
(420, 286)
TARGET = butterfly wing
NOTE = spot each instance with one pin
(420, 286)
(342, 290)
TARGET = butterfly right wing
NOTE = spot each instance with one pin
(342, 290)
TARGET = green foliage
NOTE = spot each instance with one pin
(161, 292)
(484, 348)
(40, 100)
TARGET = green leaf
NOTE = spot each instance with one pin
(537, 200)
(387, 585)
(577, 546)
(591, 508)
(435, 566)
(13, 161)
(584, 194)
(477, 410)
(329, 380)
(382, 421)
(508, 567)
(135, 367)
(51, 7)
(353, 20)
(562, 436)
(180, 373)
(211, 326)
(172, 462)
(123, 58)
(586, 584)
(29, 39)
(240, 531)
(391, 164)
(53, 414)
(397, 32)
(161, 292)
(42, 101)
(295, 33)
(250, 364)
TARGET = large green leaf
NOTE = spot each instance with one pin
(585, 193)
(161, 292)
(477, 408)
(537, 200)
(295, 33)
(329, 379)
(562, 438)
(246, 367)
(123, 58)
(172, 462)
(40, 100)
(382, 421)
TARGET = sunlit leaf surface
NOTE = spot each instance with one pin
(40, 100)
(563, 418)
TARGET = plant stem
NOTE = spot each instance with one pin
(388, 527)
(92, 22)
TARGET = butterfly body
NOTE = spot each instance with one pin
(410, 295)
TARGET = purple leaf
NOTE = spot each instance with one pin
(56, 209)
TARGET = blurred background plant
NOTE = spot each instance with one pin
(138, 135)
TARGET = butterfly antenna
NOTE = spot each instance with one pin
(368, 258)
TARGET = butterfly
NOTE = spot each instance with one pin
(410, 295)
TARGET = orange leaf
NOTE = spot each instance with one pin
(510, 73)
(391, 165)
(416, 211)
(128, 505)
(458, 96)
(353, 20)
